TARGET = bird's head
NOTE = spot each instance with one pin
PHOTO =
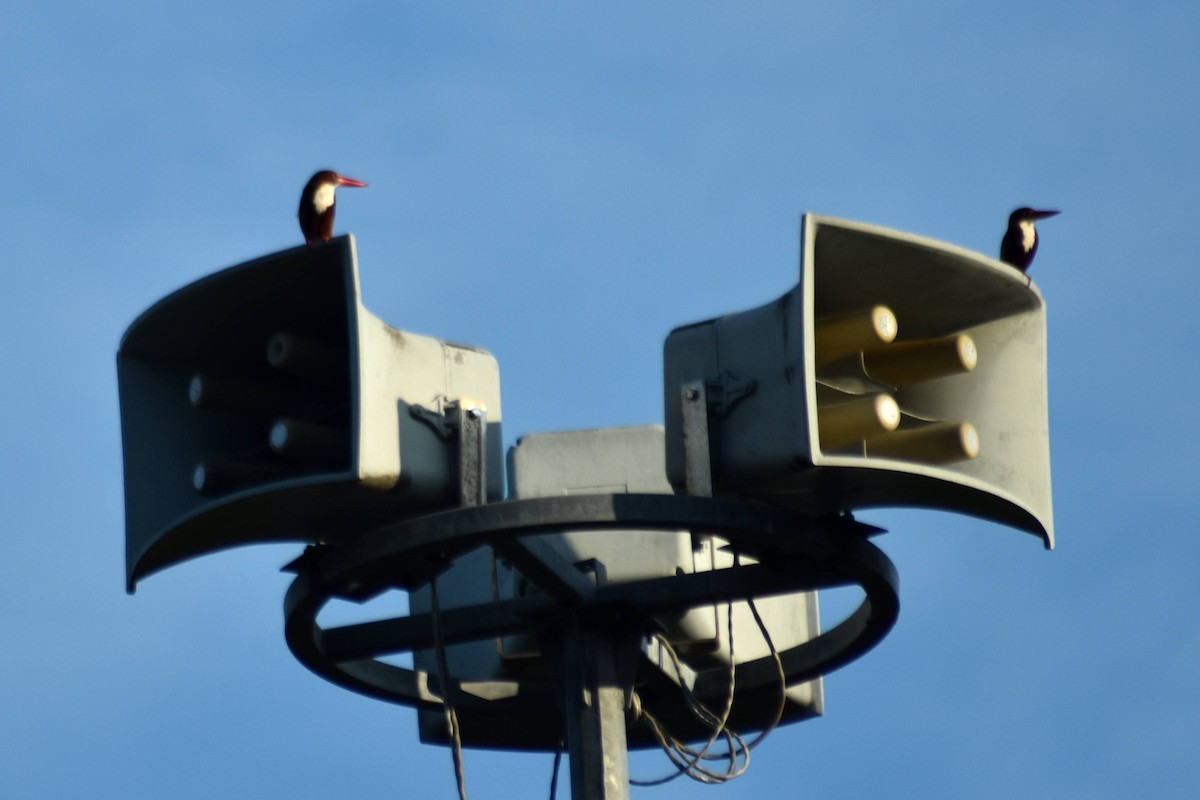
(1026, 214)
(322, 185)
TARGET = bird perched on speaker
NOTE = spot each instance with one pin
(1020, 241)
(317, 203)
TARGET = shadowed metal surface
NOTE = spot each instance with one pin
(803, 553)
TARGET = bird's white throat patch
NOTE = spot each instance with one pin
(323, 199)
(1028, 235)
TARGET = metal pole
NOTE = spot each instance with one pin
(594, 703)
(596, 658)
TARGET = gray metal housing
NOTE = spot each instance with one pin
(760, 365)
(613, 461)
(377, 397)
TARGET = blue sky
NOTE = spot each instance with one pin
(562, 185)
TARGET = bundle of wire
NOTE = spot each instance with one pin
(689, 760)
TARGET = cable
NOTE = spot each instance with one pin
(762, 627)
(766, 634)
(439, 647)
(554, 773)
(686, 759)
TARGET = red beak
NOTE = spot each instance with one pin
(344, 181)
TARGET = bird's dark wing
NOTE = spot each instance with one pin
(308, 222)
(1010, 249)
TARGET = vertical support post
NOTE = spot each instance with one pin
(596, 659)
(697, 458)
(472, 454)
(471, 426)
(594, 701)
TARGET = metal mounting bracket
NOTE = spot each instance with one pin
(435, 419)
(727, 391)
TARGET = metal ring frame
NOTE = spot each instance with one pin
(794, 553)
